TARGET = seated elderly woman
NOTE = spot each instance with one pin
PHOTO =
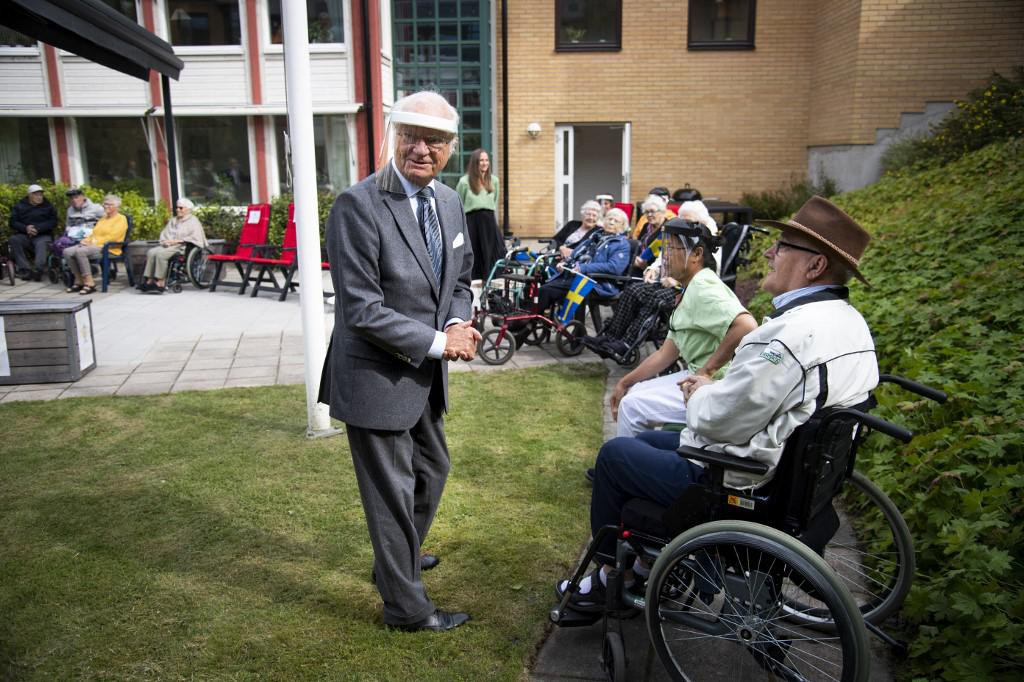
(648, 229)
(575, 231)
(110, 228)
(604, 251)
(640, 301)
(182, 229)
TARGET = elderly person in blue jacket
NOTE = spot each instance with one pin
(605, 251)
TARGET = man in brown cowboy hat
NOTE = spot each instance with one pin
(814, 351)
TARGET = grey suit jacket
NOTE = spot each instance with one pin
(377, 374)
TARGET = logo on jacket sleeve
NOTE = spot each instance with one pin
(772, 356)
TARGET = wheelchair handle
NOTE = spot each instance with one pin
(914, 387)
(874, 423)
(750, 466)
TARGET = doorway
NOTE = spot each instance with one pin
(590, 159)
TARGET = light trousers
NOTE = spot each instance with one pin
(78, 256)
(651, 403)
(157, 259)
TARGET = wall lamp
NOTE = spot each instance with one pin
(533, 130)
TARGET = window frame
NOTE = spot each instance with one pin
(747, 44)
(615, 46)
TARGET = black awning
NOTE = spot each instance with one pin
(92, 29)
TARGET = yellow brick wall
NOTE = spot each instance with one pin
(823, 72)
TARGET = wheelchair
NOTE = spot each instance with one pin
(763, 584)
(192, 267)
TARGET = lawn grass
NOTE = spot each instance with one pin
(202, 535)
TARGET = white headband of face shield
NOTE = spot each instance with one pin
(412, 118)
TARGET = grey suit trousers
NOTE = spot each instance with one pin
(401, 475)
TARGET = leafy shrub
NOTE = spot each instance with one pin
(988, 114)
(947, 248)
(279, 214)
(221, 222)
(775, 204)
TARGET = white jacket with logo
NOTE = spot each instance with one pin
(815, 352)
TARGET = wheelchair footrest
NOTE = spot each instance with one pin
(569, 618)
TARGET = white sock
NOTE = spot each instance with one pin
(585, 584)
(641, 570)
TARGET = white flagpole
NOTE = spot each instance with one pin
(300, 126)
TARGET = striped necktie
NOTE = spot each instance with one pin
(431, 229)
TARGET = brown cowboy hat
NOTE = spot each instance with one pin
(828, 226)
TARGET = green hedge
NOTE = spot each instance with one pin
(219, 222)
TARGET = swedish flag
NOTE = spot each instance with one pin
(581, 286)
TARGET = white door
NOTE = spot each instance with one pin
(564, 161)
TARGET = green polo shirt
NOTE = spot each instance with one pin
(702, 318)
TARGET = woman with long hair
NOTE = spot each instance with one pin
(479, 190)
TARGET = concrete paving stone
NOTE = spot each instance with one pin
(197, 385)
(152, 377)
(41, 387)
(166, 366)
(129, 388)
(456, 367)
(201, 362)
(99, 380)
(176, 346)
(161, 355)
(114, 368)
(290, 379)
(211, 353)
(208, 374)
(245, 372)
(89, 391)
(257, 361)
(240, 382)
(15, 396)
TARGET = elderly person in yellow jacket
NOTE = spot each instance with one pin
(184, 228)
(110, 228)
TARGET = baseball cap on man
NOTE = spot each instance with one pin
(73, 192)
(34, 188)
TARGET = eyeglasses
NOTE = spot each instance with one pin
(779, 244)
(652, 211)
(435, 143)
(181, 208)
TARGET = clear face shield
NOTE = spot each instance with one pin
(413, 119)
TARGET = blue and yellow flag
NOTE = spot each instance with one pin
(581, 286)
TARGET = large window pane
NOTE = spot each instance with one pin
(721, 24)
(204, 22)
(588, 24)
(115, 156)
(330, 144)
(325, 17)
(25, 150)
(215, 159)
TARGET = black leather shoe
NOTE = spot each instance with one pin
(438, 621)
(590, 473)
(427, 562)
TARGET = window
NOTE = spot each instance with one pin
(330, 142)
(326, 21)
(125, 7)
(215, 159)
(721, 25)
(115, 155)
(204, 22)
(25, 150)
(11, 38)
(588, 25)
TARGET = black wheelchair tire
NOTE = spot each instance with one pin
(750, 614)
(196, 268)
(568, 338)
(892, 571)
(494, 351)
(537, 333)
(613, 657)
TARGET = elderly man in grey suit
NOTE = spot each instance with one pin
(401, 264)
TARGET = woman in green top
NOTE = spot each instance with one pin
(479, 191)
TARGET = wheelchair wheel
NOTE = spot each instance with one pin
(872, 553)
(198, 269)
(716, 608)
(613, 657)
(568, 339)
(536, 334)
(496, 347)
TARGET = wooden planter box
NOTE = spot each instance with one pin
(46, 341)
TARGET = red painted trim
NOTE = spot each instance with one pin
(252, 50)
(156, 98)
(149, 23)
(61, 131)
(359, 88)
(53, 75)
(376, 108)
(162, 171)
(261, 159)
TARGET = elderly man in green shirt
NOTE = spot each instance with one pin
(704, 330)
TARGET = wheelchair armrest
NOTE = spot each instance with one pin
(750, 466)
(874, 423)
(607, 277)
(110, 245)
(914, 387)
